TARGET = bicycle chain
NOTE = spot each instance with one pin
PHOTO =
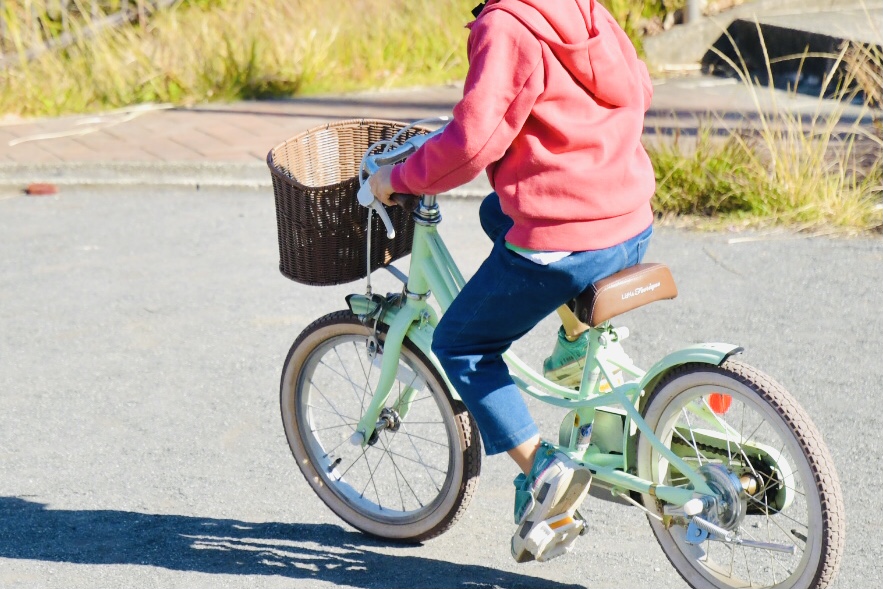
(707, 450)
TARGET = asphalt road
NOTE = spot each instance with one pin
(141, 336)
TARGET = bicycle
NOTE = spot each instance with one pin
(737, 484)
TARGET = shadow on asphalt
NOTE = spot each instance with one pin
(322, 552)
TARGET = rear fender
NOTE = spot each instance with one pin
(710, 353)
(714, 353)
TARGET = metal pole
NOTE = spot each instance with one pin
(693, 12)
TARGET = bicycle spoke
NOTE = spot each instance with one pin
(774, 557)
(348, 420)
(348, 377)
(327, 453)
(725, 427)
(423, 463)
(330, 404)
(396, 473)
(732, 559)
(416, 461)
(397, 482)
(330, 427)
(779, 513)
(371, 481)
(752, 437)
(690, 427)
(395, 466)
(443, 444)
(770, 481)
(427, 397)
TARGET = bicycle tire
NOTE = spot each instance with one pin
(411, 484)
(813, 522)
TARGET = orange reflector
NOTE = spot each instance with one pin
(561, 522)
(719, 402)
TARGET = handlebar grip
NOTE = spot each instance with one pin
(394, 156)
(409, 202)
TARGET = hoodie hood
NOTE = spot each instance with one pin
(587, 41)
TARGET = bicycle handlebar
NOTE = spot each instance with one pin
(397, 154)
(393, 156)
(409, 202)
(372, 162)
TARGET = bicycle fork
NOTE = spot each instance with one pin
(431, 268)
(375, 418)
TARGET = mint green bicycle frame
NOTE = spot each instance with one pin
(433, 272)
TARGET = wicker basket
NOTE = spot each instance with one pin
(321, 226)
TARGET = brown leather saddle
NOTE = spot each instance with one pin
(629, 289)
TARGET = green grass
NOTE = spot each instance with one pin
(633, 15)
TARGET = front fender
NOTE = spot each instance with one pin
(420, 332)
(420, 335)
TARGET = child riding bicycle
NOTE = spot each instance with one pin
(553, 110)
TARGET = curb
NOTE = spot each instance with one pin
(214, 175)
(128, 174)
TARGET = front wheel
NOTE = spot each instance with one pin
(775, 478)
(415, 477)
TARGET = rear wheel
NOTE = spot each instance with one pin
(416, 477)
(759, 449)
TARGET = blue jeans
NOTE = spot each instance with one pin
(505, 299)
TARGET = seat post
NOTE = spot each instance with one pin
(592, 371)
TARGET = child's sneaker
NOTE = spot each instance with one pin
(565, 365)
(545, 506)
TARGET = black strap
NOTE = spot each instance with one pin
(477, 10)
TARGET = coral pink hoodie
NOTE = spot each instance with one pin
(553, 109)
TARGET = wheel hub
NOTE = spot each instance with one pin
(389, 420)
(731, 504)
(749, 484)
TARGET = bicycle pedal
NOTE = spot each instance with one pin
(581, 518)
(554, 537)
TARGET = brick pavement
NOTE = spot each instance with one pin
(242, 133)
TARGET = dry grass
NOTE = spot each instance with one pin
(814, 172)
(202, 50)
(244, 49)
(866, 64)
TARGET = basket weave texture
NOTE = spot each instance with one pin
(321, 226)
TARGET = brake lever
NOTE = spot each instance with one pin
(368, 200)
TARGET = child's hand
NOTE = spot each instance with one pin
(381, 186)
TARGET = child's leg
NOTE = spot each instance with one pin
(506, 298)
(565, 365)
(524, 453)
(495, 223)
